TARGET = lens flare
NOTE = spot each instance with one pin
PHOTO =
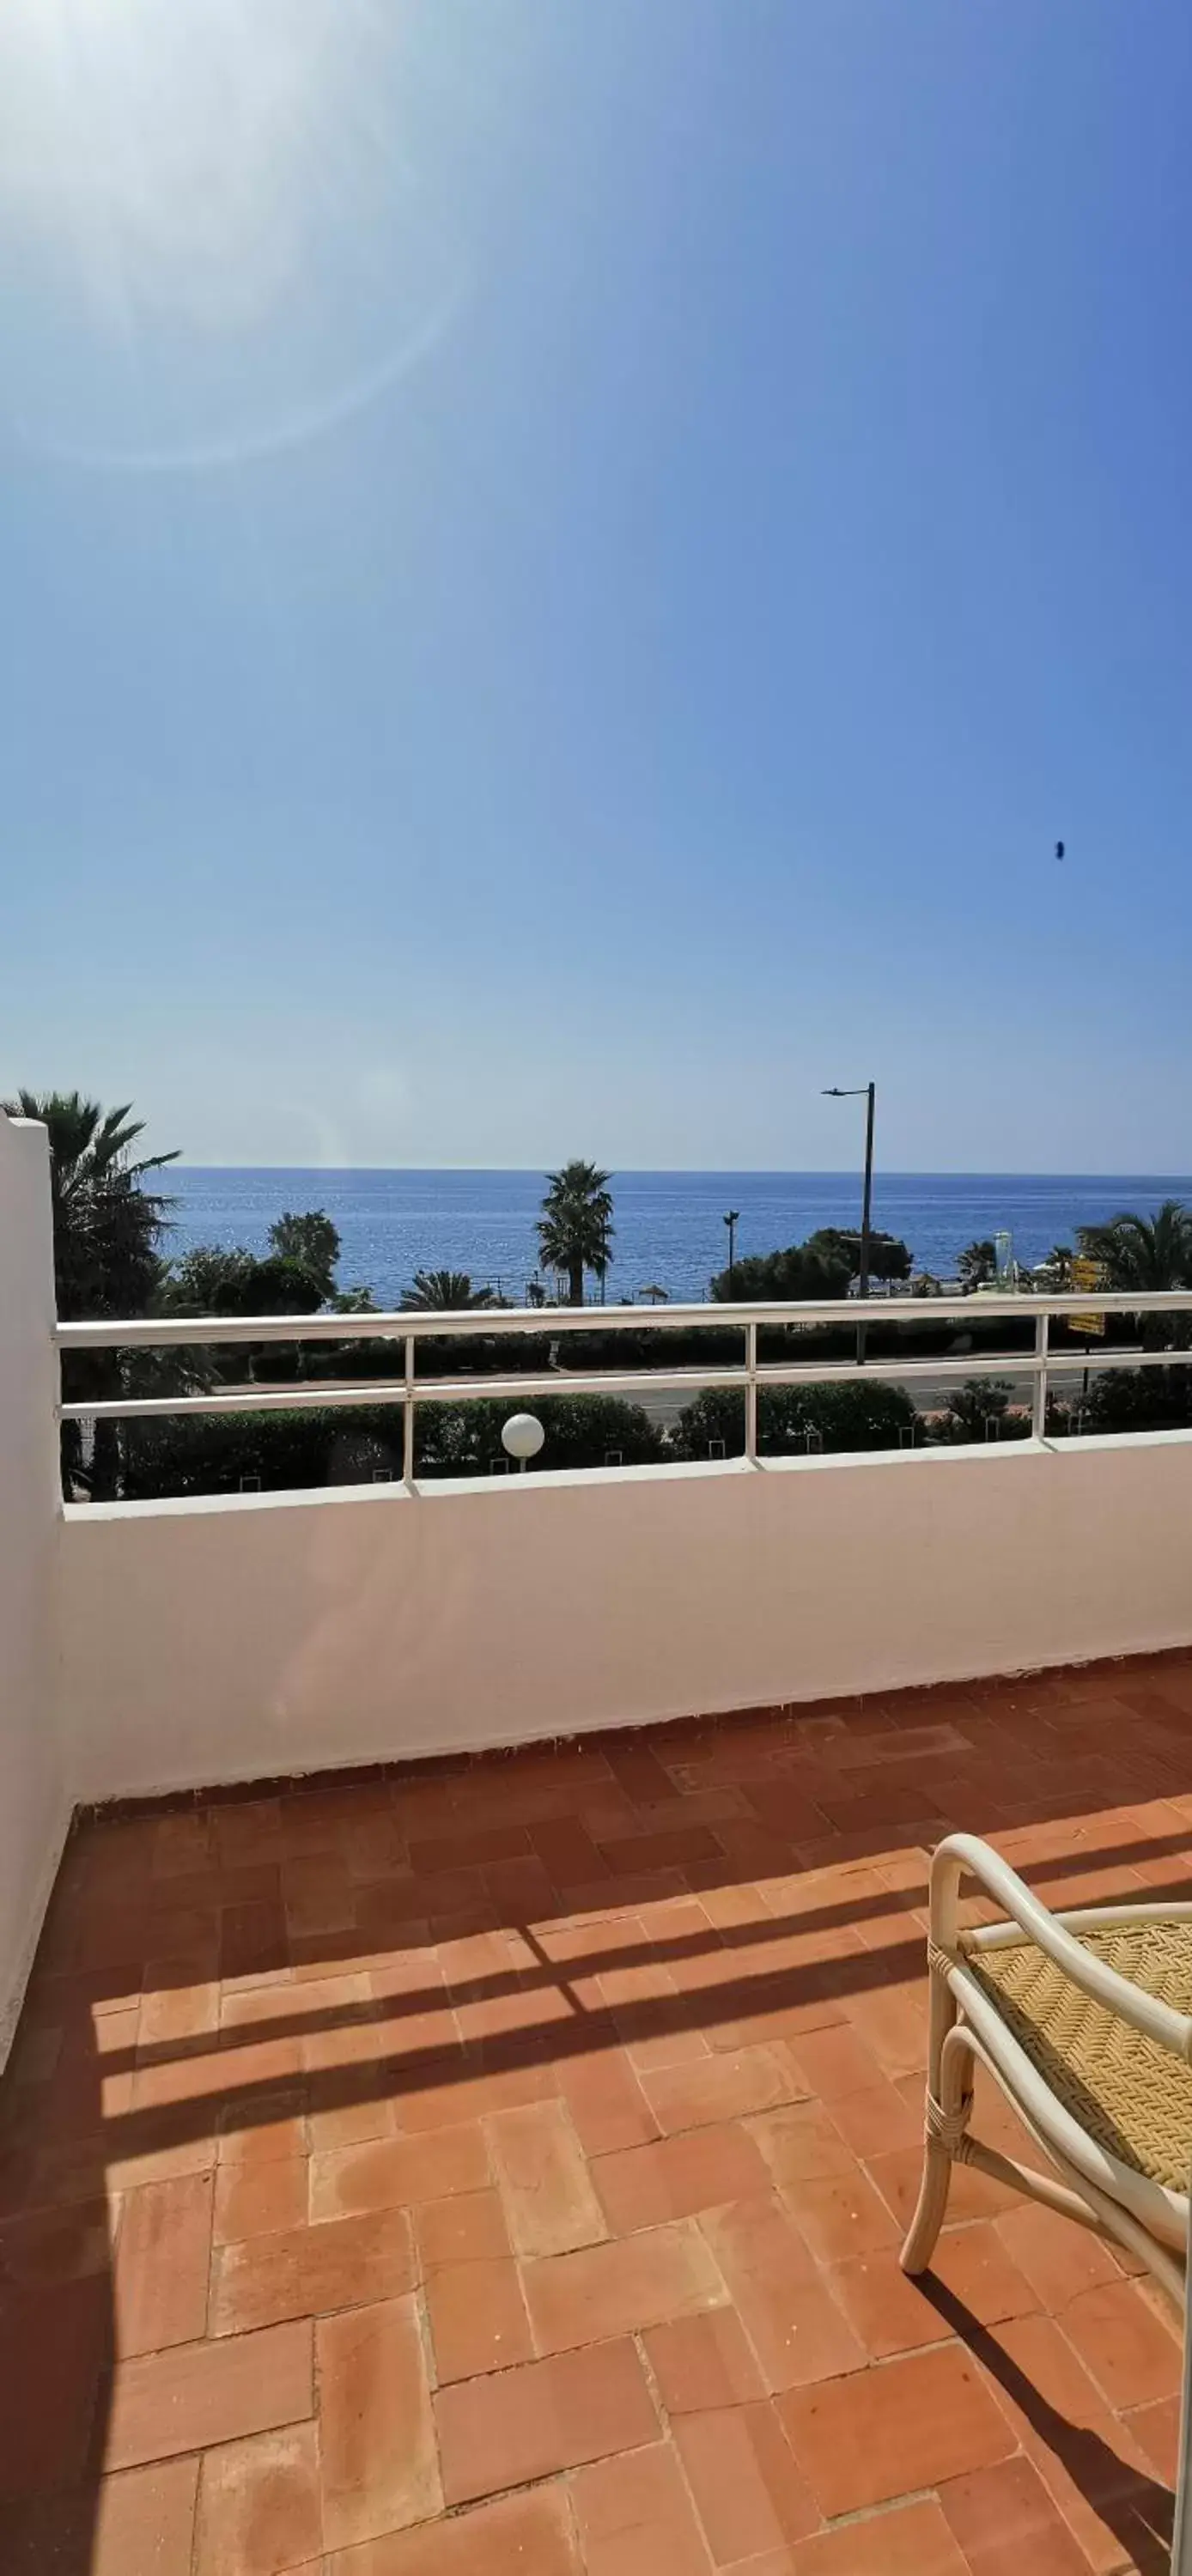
(212, 210)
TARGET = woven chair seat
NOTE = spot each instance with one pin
(1129, 2094)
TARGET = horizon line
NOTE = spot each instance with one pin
(721, 1171)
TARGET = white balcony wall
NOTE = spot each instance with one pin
(216, 1641)
(165, 1646)
(34, 1792)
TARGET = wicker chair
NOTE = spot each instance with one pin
(1085, 2021)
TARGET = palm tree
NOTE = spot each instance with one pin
(444, 1292)
(1146, 1253)
(977, 1264)
(1143, 1252)
(575, 1229)
(1056, 1271)
(107, 1228)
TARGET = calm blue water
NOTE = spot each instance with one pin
(669, 1225)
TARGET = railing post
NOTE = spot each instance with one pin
(751, 1393)
(1039, 1399)
(407, 1418)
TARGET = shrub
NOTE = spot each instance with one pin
(856, 1416)
(581, 1430)
(214, 1280)
(981, 1409)
(1158, 1399)
(289, 1452)
(797, 1272)
(889, 1256)
(212, 1453)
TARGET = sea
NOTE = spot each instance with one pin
(669, 1226)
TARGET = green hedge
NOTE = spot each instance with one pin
(288, 1452)
(581, 1430)
(1158, 1399)
(205, 1453)
(852, 1417)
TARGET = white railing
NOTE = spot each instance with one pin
(1039, 1364)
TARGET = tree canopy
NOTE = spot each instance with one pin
(312, 1240)
(108, 1225)
(220, 1279)
(444, 1292)
(1148, 1253)
(1144, 1252)
(978, 1263)
(575, 1229)
(889, 1256)
(799, 1272)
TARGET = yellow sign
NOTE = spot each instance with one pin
(1086, 1273)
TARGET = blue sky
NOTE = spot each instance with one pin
(565, 566)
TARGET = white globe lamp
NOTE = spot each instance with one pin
(523, 1436)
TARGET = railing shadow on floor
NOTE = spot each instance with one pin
(57, 2302)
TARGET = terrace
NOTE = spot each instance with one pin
(492, 2152)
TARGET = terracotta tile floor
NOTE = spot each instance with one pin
(499, 2171)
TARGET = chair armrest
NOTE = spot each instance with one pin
(961, 1852)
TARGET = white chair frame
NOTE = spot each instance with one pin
(1085, 2182)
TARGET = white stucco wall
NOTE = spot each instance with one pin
(216, 1641)
(34, 1796)
(162, 1646)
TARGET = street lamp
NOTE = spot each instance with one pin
(522, 1436)
(861, 1091)
(732, 1221)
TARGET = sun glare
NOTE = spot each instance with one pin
(198, 188)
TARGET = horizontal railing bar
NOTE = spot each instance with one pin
(271, 1399)
(877, 1372)
(160, 1332)
(308, 1396)
(974, 1364)
(1118, 1359)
